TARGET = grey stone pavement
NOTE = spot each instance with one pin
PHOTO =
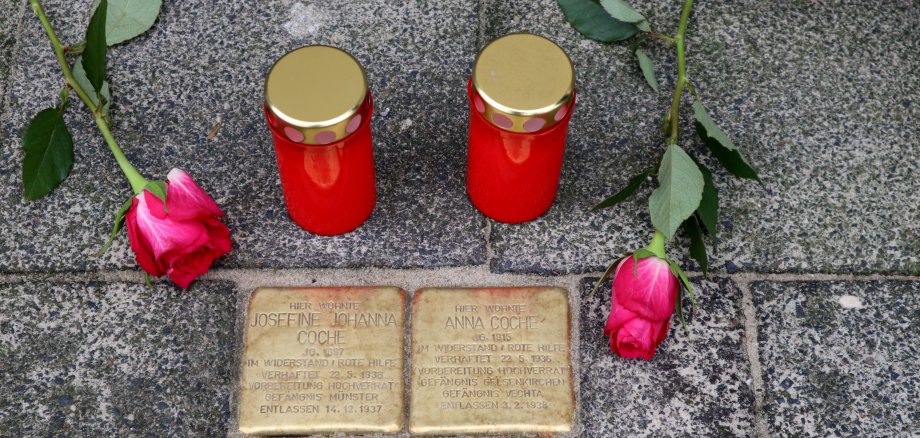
(806, 328)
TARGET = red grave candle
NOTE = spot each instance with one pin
(318, 109)
(521, 98)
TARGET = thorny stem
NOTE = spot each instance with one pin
(674, 116)
(136, 180)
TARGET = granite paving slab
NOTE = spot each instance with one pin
(116, 359)
(820, 96)
(698, 384)
(199, 71)
(840, 358)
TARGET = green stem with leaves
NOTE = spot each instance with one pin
(674, 114)
(136, 180)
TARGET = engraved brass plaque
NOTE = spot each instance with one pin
(323, 360)
(488, 361)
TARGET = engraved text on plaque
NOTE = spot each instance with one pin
(491, 361)
(323, 360)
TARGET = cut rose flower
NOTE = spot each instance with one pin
(643, 297)
(181, 238)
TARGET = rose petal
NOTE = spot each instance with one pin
(154, 204)
(162, 236)
(636, 339)
(648, 290)
(619, 315)
(186, 199)
(188, 267)
(143, 254)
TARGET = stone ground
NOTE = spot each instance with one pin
(806, 327)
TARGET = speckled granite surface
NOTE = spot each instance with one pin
(698, 384)
(10, 17)
(200, 64)
(115, 359)
(840, 358)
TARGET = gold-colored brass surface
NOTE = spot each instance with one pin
(316, 89)
(488, 361)
(323, 360)
(522, 77)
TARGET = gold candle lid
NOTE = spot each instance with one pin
(315, 94)
(523, 82)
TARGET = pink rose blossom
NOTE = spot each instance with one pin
(643, 302)
(181, 240)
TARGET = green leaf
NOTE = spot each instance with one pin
(675, 269)
(644, 26)
(697, 245)
(592, 21)
(80, 75)
(679, 308)
(709, 204)
(720, 145)
(679, 192)
(128, 18)
(158, 188)
(48, 153)
(621, 10)
(93, 59)
(634, 183)
(648, 69)
(119, 220)
(604, 277)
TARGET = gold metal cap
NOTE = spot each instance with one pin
(523, 82)
(315, 94)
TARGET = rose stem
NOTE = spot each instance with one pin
(674, 117)
(136, 180)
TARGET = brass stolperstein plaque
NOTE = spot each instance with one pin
(488, 361)
(323, 360)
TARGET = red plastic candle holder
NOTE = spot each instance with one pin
(322, 138)
(521, 98)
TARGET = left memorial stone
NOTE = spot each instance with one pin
(323, 360)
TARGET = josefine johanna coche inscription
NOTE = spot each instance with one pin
(492, 360)
(323, 360)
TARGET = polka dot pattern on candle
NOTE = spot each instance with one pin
(353, 124)
(561, 113)
(481, 107)
(534, 125)
(324, 137)
(502, 121)
(293, 134)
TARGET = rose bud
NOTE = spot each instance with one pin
(181, 238)
(644, 293)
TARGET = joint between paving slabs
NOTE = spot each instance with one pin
(752, 351)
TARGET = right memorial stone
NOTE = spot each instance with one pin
(488, 361)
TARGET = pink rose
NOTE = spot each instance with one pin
(642, 306)
(181, 240)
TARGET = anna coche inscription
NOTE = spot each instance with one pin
(491, 361)
(323, 360)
